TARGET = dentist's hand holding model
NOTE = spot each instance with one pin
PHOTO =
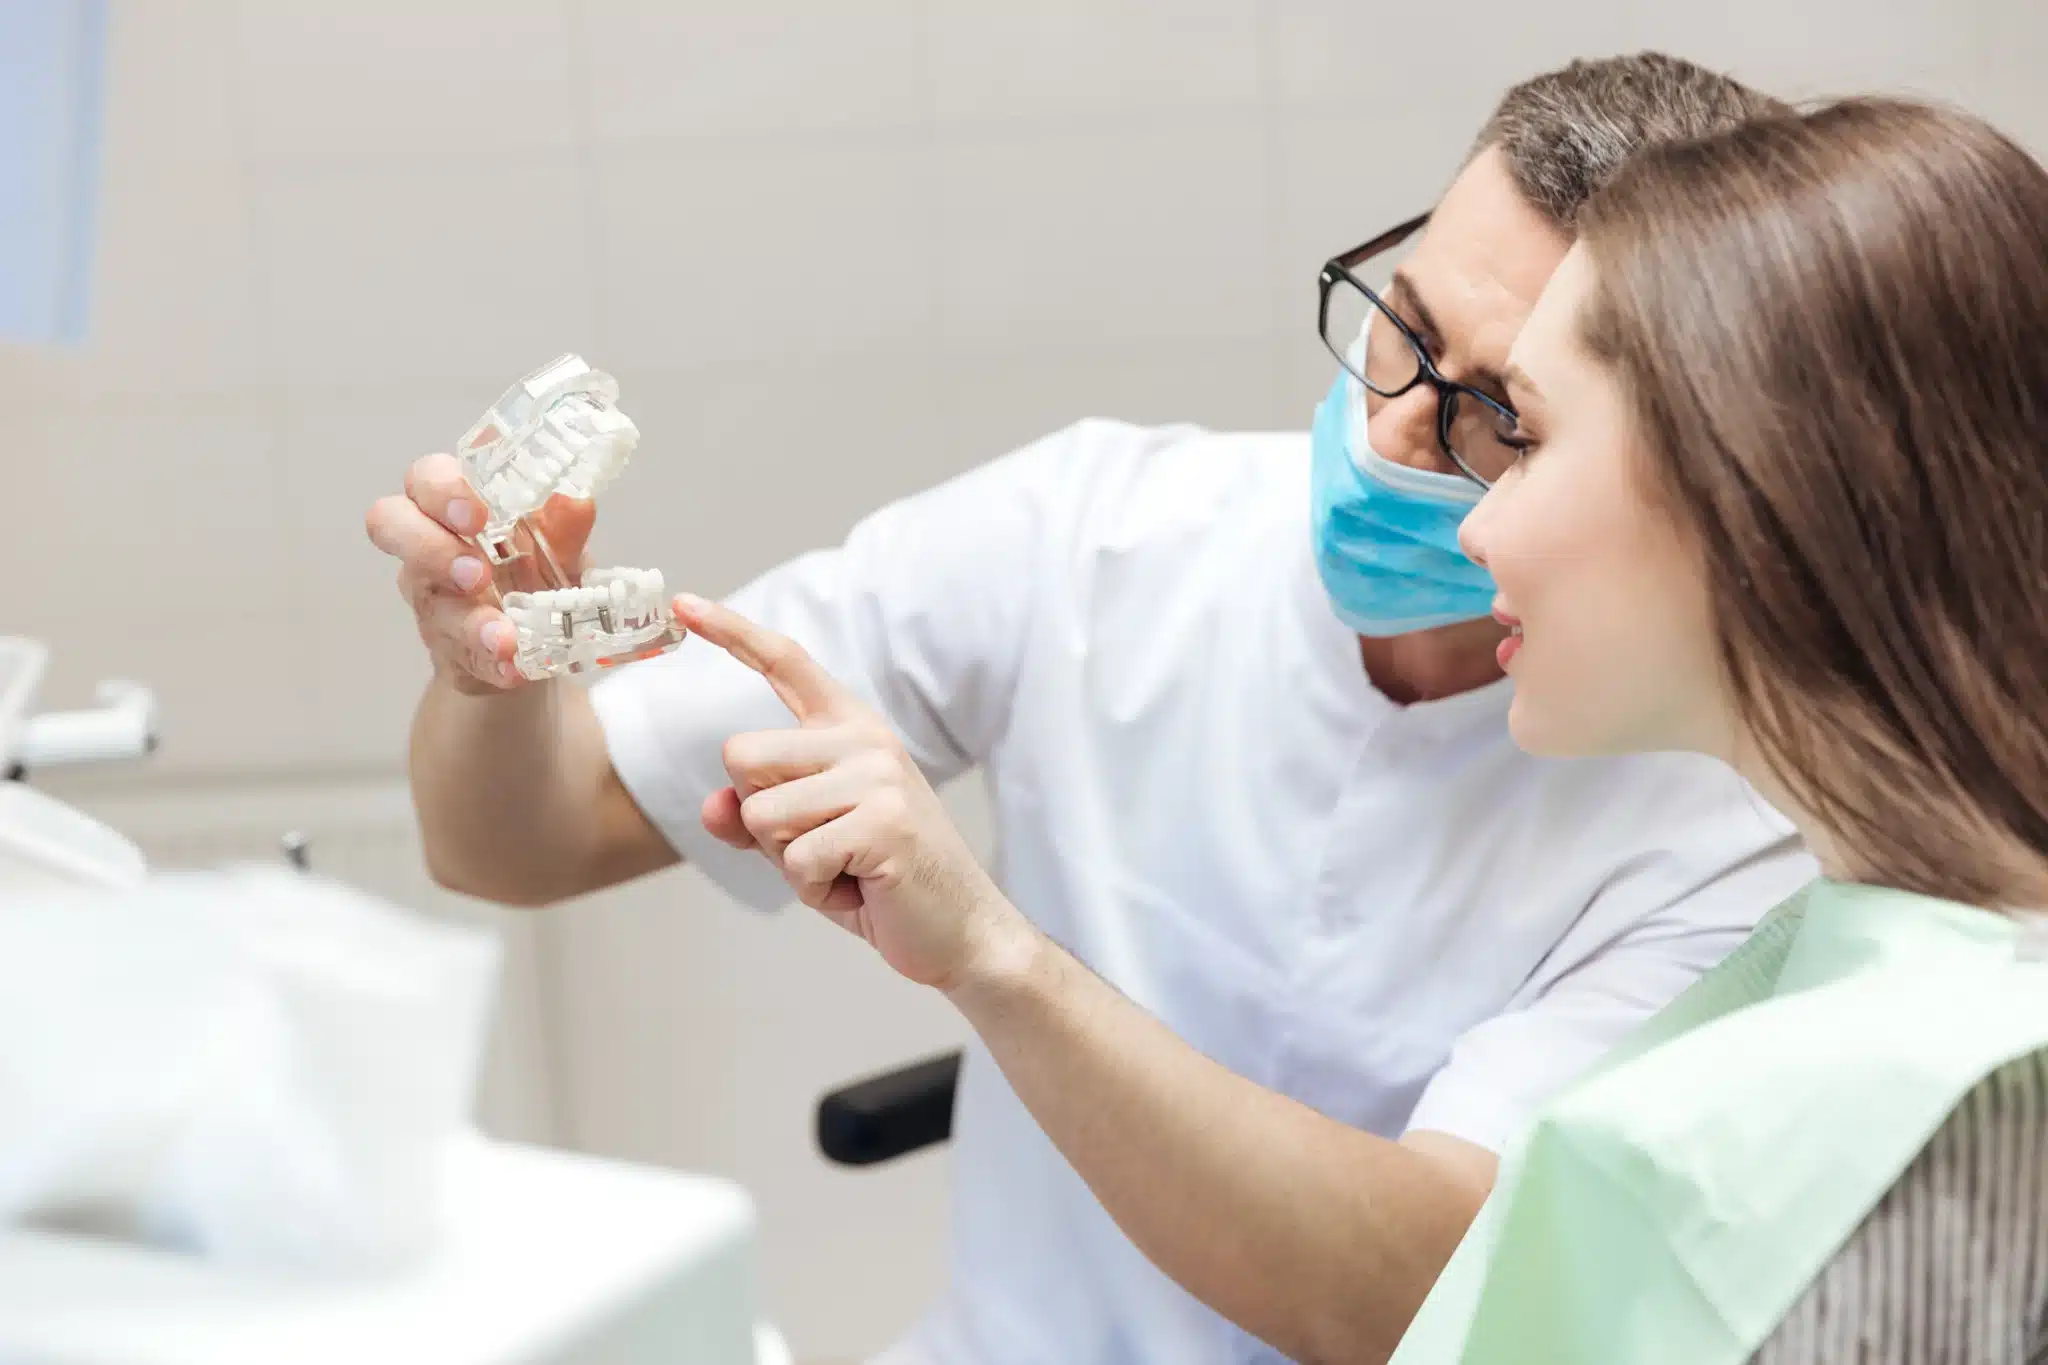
(453, 592)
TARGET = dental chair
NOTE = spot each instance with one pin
(891, 1114)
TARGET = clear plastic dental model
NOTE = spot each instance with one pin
(559, 431)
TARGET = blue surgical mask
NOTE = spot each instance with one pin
(1386, 536)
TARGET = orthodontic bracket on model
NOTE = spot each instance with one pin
(559, 430)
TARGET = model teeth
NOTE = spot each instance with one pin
(612, 616)
(557, 431)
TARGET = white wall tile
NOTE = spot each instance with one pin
(381, 277)
(2014, 106)
(741, 468)
(390, 80)
(1421, 60)
(1071, 60)
(174, 295)
(163, 521)
(1821, 47)
(661, 69)
(1104, 238)
(169, 96)
(993, 407)
(1344, 178)
(130, 501)
(2012, 42)
(359, 673)
(343, 454)
(1306, 369)
(779, 253)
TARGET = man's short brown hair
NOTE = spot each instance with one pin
(1565, 133)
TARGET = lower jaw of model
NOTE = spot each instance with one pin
(559, 431)
(615, 617)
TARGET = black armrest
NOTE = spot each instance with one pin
(890, 1115)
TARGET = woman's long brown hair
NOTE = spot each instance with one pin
(1833, 331)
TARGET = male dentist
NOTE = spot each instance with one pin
(1239, 707)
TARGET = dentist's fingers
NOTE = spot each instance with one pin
(720, 815)
(446, 580)
(768, 758)
(431, 553)
(781, 814)
(435, 484)
(818, 865)
(474, 638)
(810, 693)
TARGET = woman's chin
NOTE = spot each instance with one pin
(1536, 729)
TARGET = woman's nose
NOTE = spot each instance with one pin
(1472, 531)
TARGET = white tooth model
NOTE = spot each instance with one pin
(558, 431)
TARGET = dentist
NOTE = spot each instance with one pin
(1242, 717)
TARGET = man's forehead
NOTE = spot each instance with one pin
(1482, 261)
(1548, 332)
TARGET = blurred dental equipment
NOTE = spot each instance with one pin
(42, 841)
(255, 1066)
(559, 430)
(235, 1123)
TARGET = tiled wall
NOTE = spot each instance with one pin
(834, 251)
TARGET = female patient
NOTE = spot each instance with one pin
(1783, 500)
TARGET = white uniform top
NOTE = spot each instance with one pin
(1391, 914)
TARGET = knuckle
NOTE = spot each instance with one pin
(891, 807)
(423, 475)
(876, 736)
(757, 813)
(802, 861)
(378, 524)
(417, 594)
(448, 621)
(876, 768)
(740, 753)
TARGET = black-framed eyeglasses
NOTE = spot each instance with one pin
(1470, 426)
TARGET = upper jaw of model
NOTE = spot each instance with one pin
(559, 431)
(556, 431)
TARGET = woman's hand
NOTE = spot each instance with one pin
(859, 834)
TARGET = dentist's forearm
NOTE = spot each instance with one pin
(517, 798)
(1318, 1238)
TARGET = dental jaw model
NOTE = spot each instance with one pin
(559, 431)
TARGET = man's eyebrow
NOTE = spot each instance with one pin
(1516, 377)
(1480, 376)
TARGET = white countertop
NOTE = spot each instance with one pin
(550, 1258)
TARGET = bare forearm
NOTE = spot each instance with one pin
(1314, 1236)
(516, 795)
